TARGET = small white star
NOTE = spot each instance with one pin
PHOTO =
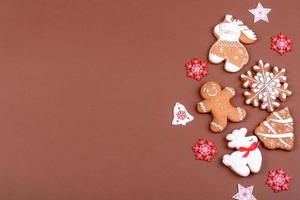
(244, 193)
(260, 13)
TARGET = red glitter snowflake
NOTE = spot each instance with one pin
(281, 43)
(204, 150)
(196, 69)
(181, 115)
(278, 180)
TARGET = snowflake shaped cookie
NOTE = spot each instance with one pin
(266, 85)
(204, 150)
(278, 180)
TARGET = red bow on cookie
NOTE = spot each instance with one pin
(253, 146)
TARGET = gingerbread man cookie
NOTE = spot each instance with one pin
(217, 101)
(228, 47)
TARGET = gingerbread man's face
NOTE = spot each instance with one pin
(210, 89)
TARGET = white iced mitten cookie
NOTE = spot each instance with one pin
(181, 115)
(231, 33)
(247, 157)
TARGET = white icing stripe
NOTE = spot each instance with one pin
(282, 121)
(203, 107)
(279, 117)
(240, 113)
(285, 135)
(274, 132)
(269, 127)
(230, 90)
(216, 125)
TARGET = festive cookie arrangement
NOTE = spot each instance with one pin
(265, 86)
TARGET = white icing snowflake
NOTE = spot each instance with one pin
(266, 85)
(204, 149)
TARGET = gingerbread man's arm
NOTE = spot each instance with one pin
(204, 106)
(228, 92)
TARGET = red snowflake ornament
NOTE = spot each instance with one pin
(278, 180)
(281, 43)
(196, 69)
(204, 150)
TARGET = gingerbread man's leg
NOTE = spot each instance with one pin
(236, 114)
(218, 124)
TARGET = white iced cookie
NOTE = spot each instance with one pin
(181, 115)
(231, 33)
(247, 157)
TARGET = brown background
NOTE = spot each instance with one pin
(87, 92)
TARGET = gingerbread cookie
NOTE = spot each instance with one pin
(228, 47)
(266, 85)
(247, 157)
(277, 131)
(217, 101)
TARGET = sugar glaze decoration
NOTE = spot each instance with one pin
(260, 13)
(181, 115)
(230, 33)
(267, 85)
(277, 130)
(247, 157)
(244, 193)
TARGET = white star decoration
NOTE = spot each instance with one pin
(260, 13)
(244, 193)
